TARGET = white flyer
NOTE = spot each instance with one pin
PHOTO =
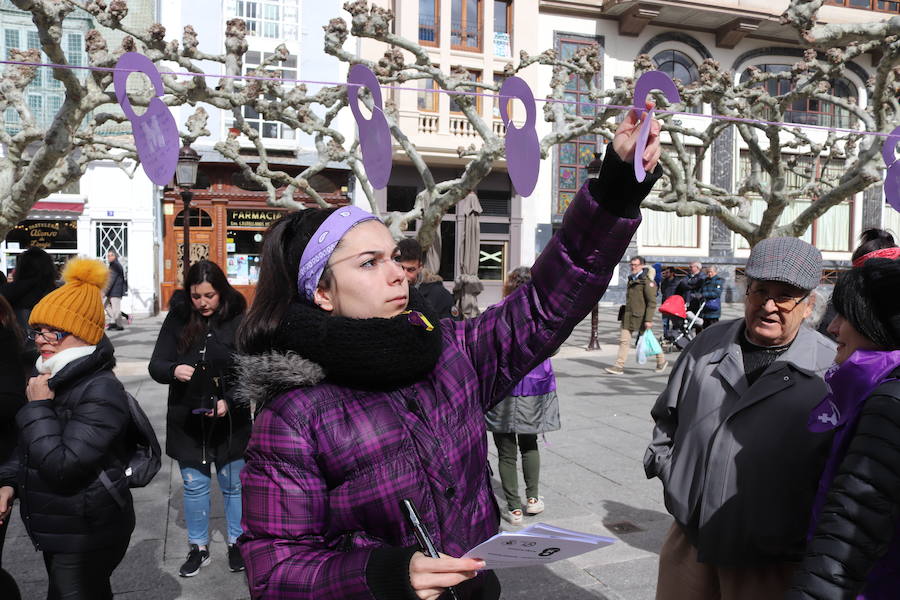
(536, 544)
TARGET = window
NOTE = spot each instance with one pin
(492, 261)
(876, 5)
(287, 70)
(278, 19)
(666, 229)
(833, 231)
(473, 76)
(502, 27)
(428, 98)
(891, 220)
(679, 65)
(465, 26)
(808, 111)
(112, 236)
(198, 218)
(572, 158)
(429, 22)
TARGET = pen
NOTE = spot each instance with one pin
(425, 543)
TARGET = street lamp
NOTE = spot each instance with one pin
(186, 177)
(593, 169)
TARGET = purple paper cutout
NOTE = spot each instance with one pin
(892, 177)
(155, 131)
(374, 133)
(649, 81)
(523, 151)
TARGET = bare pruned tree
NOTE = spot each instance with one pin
(785, 164)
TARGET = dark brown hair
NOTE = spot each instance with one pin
(516, 278)
(231, 302)
(276, 288)
(8, 320)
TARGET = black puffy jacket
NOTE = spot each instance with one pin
(860, 520)
(192, 438)
(12, 397)
(64, 443)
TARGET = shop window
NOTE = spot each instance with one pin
(833, 231)
(494, 203)
(244, 248)
(197, 218)
(401, 198)
(492, 261)
(465, 26)
(448, 250)
(429, 22)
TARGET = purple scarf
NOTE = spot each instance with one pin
(850, 384)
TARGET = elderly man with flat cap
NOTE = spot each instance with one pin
(738, 465)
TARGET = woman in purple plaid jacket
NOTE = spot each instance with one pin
(367, 399)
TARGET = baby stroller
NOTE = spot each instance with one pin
(682, 321)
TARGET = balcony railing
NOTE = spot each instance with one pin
(428, 123)
(429, 29)
(462, 127)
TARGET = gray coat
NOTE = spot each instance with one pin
(738, 466)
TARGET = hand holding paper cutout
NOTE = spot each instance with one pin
(374, 133)
(892, 177)
(652, 80)
(523, 151)
(155, 131)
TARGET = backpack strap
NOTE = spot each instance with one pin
(108, 484)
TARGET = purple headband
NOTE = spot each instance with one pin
(324, 241)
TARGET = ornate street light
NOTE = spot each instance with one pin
(186, 177)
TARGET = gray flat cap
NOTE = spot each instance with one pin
(786, 259)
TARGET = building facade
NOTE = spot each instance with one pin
(106, 209)
(482, 36)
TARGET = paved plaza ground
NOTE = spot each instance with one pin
(591, 476)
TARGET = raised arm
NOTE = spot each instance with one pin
(570, 275)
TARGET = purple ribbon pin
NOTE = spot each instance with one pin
(892, 177)
(155, 131)
(649, 81)
(523, 151)
(374, 133)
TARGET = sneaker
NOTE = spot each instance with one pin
(535, 506)
(196, 558)
(661, 367)
(614, 370)
(513, 517)
(235, 560)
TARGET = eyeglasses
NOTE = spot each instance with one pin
(783, 303)
(48, 336)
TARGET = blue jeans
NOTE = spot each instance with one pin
(196, 499)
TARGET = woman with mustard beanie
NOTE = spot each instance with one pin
(72, 433)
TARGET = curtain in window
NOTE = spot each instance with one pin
(666, 229)
(892, 221)
(833, 229)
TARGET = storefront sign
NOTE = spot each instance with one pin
(52, 235)
(252, 218)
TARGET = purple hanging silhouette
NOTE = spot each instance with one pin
(374, 133)
(155, 131)
(892, 177)
(649, 81)
(523, 151)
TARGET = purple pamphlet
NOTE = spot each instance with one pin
(892, 177)
(523, 151)
(649, 81)
(155, 131)
(374, 133)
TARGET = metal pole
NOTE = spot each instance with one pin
(186, 196)
(594, 343)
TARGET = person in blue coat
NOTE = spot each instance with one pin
(711, 289)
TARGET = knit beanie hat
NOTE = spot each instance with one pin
(77, 306)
